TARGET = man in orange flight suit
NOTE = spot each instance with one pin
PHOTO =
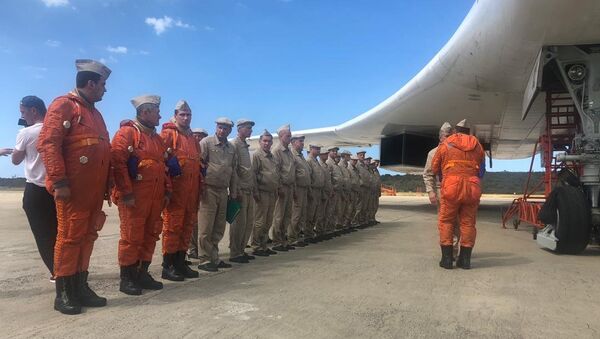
(75, 147)
(181, 213)
(141, 191)
(458, 160)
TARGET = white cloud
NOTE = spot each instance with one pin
(36, 71)
(53, 43)
(160, 25)
(142, 52)
(117, 50)
(209, 28)
(111, 60)
(55, 3)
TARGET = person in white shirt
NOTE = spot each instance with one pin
(37, 202)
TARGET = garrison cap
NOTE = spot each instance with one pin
(200, 131)
(145, 99)
(182, 105)
(297, 137)
(88, 65)
(266, 133)
(368, 158)
(284, 128)
(446, 128)
(224, 121)
(334, 148)
(345, 152)
(244, 122)
(463, 123)
(359, 152)
(318, 147)
(354, 157)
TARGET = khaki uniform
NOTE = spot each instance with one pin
(220, 162)
(241, 229)
(317, 180)
(283, 206)
(301, 192)
(323, 218)
(346, 195)
(365, 183)
(337, 180)
(354, 193)
(267, 172)
(377, 191)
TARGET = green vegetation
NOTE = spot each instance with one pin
(493, 182)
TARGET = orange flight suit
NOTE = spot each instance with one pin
(458, 159)
(141, 224)
(75, 148)
(182, 212)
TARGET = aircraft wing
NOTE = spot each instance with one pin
(481, 74)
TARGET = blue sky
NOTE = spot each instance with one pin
(311, 63)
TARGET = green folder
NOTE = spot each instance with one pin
(233, 209)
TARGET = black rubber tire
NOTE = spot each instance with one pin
(573, 223)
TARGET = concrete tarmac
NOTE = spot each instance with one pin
(380, 282)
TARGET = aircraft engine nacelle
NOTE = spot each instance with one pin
(406, 152)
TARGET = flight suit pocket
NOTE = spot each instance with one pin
(472, 190)
(451, 188)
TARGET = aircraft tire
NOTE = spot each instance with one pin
(573, 220)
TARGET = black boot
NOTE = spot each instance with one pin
(464, 258)
(66, 298)
(446, 261)
(182, 268)
(129, 283)
(145, 280)
(87, 297)
(169, 271)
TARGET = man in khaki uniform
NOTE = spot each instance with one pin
(377, 188)
(199, 134)
(218, 157)
(267, 172)
(365, 182)
(323, 217)
(283, 206)
(301, 192)
(241, 228)
(317, 179)
(337, 180)
(432, 182)
(347, 200)
(355, 195)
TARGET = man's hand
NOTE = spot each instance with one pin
(62, 193)
(5, 151)
(432, 198)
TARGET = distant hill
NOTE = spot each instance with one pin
(493, 182)
(12, 182)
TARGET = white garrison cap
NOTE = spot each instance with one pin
(200, 131)
(266, 133)
(182, 105)
(463, 123)
(359, 152)
(242, 122)
(145, 99)
(92, 66)
(446, 127)
(354, 157)
(344, 152)
(283, 128)
(315, 146)
(297, 137)
(224, 121)
(333, 148)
